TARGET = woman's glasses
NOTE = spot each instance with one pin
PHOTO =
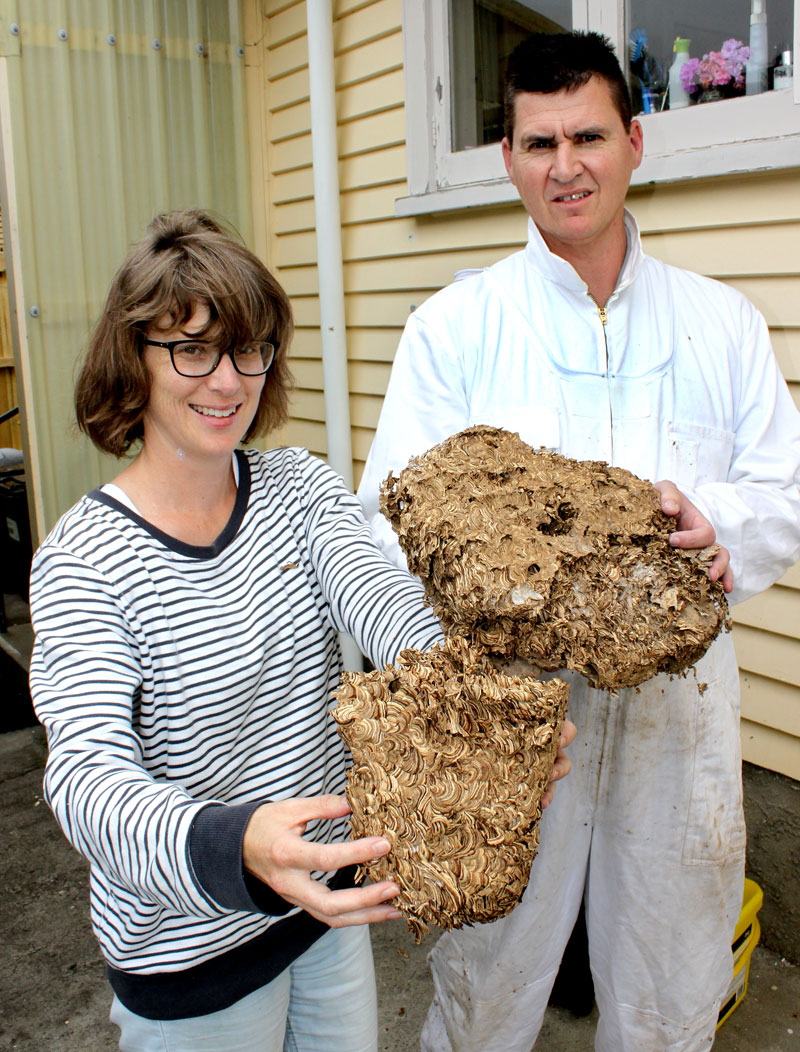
(200, 357)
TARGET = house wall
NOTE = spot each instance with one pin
(741, 230)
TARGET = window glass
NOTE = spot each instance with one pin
(683, 52)
(483, 33)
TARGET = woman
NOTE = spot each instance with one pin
(186, 618)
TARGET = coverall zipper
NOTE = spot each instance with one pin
(604, 319)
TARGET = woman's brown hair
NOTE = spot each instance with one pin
(186, 258)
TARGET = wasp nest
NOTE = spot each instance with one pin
(564, 563)
(450, 761)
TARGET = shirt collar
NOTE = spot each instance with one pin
(554, 268)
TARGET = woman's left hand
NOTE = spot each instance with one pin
(563, 763)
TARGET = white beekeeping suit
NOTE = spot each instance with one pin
(674, 379)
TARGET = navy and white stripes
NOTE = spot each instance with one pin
(170, 676)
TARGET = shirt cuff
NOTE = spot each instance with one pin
(215, 852)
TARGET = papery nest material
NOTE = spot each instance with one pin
(564, 563)
(450, 761)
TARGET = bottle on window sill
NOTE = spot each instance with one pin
(756, 68)
(783, 74)
(678, 96)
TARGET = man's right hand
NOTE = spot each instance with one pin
(694, 531)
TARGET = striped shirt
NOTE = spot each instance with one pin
(183, 686)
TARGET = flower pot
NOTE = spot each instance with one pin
(710, 95)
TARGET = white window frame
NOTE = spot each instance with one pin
(753, 133)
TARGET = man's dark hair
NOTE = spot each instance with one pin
(548, 62)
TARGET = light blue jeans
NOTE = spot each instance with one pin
(324, 1002)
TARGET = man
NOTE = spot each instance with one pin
(583, 344)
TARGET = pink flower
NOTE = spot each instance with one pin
(716, 68)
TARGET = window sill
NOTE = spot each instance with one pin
(699, 142)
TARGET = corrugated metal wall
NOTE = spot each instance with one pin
(111, 112)
(743, 231)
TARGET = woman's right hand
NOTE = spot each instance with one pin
(274, 851)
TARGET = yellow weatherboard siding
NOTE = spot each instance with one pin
(742, 230)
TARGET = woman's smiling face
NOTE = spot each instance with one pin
(202, 416)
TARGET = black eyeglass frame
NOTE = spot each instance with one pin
(170, 346)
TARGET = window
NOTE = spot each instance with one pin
(455, 52)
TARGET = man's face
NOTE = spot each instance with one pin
(571, 162)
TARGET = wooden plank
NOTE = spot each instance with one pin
(286, 25)
(288, 90)
(362, 440)
(307, 433)
(369, 59)
(306, 344)
(367, 205)
(272, 8)
(778, 298)
(352, 64)
(374, 168)
(368, 98)
(290, 122)
(376, 131)
(306, 310)
(291, 154)
(295, 185)
(381, 92)
(287, 57)
(299, 281)
(385, 310)
(365, 410)
(308, 405)
(777, 610)
(292, 217)
(739, 251)
(358, 206)
(369, 378)
(769, 703)
(363, 345)
(308, 373)
(786, 344)
(345, 7)
(372, 345)
(428, 271)
(769, 655)
(396, 241)
(791, 579)
(366, 378)
(756, 198)
(771, 749)
(366, 25)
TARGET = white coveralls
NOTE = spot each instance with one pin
(677, 382)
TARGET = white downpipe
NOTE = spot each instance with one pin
(329, 236)
(325, 155)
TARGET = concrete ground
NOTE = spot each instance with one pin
(53, 992)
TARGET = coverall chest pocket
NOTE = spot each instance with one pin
(698, 454)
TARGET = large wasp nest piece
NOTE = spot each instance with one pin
(564, 563)
(450, 761)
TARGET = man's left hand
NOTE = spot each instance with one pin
(694, 531)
